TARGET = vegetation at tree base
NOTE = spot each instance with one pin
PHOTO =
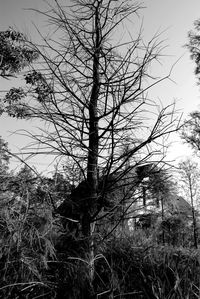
(109, 222)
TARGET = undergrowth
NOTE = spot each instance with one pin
(38, 261)
(160, 272)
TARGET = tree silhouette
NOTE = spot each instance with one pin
(90, 91)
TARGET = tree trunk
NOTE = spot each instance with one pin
(163, 231)
(194, 229)
(92, 163)
(194, 222)
(193, 215)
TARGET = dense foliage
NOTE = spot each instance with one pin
(14, 53)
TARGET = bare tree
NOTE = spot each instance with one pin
(90, 89)
(190, 176)
(190, 131)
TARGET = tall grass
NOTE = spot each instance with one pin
(38, 260)
(25, 249)
(159, 272)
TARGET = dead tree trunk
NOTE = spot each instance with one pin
(92, 162)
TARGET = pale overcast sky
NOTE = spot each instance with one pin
(174, 17)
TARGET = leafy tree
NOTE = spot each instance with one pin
(194, 46)
(157, 193)
(5, 175)
(160, 185)
(4, 156)
(25, 180)
(163, 189)
(14, 54)
(54, 190)
(191, 129)
(176, 230)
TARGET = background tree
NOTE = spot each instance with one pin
(190, 176)
(191, 129)
(4, 157)
(156, 194)
(14, 54)
(162, 189)
(6, 177)
(194, 46)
